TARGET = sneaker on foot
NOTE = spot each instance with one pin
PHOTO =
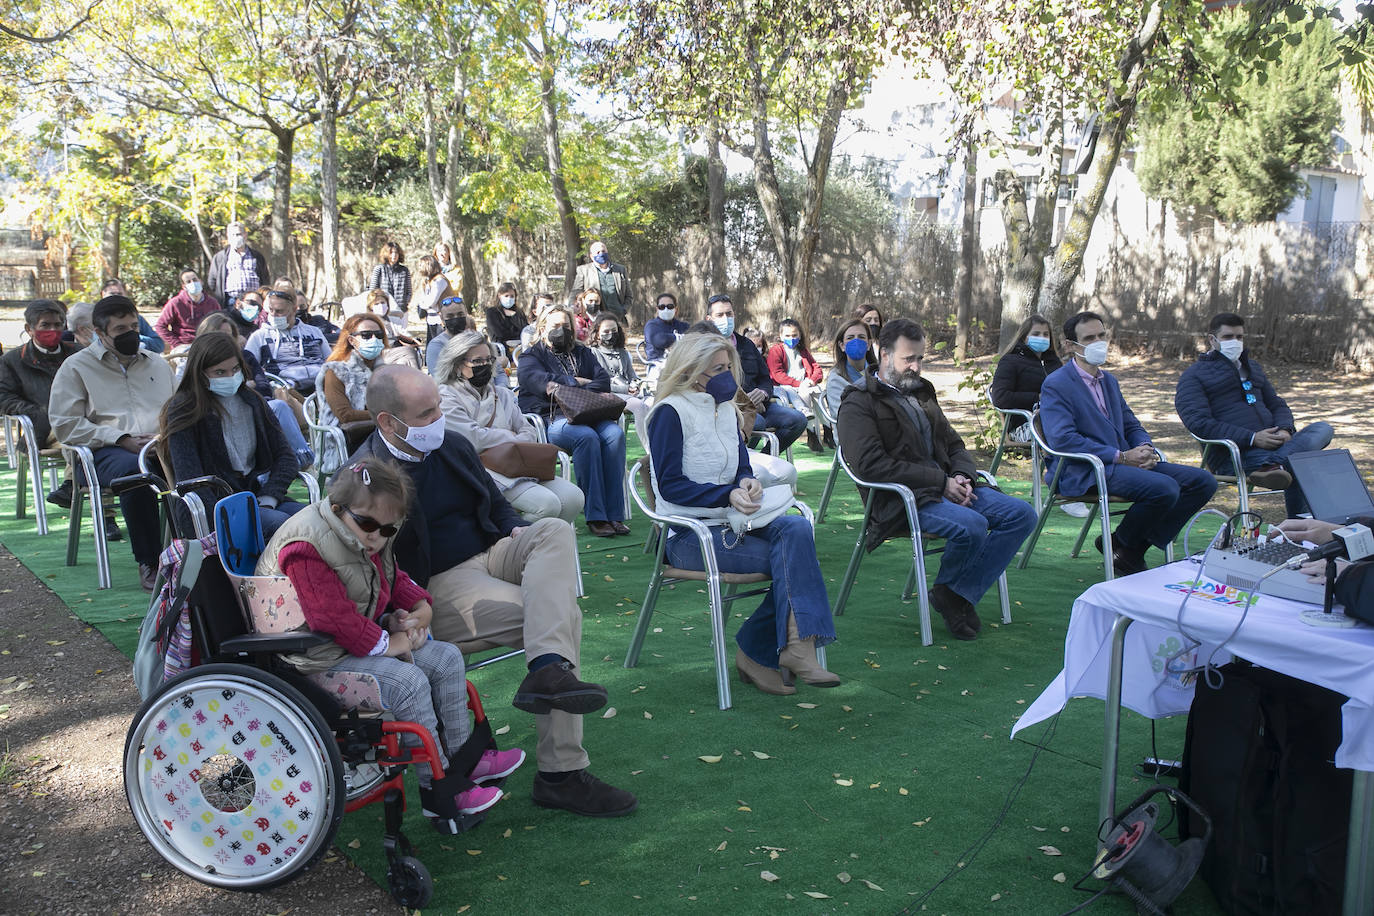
(584, 794)
(477, 799)
(556, 687)
(497, 764)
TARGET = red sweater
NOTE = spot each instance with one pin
(777, 366)
(326, 604)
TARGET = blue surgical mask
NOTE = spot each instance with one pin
(725, 325)
(791, 342)
(249, 312)
(856, 348)
(601, 258)
(370, 349)
(195, 287)
(1038, 344)
(722, 387)
(226, 387)
(281, 322)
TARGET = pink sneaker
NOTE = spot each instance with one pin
(497, 765)
(477, 799)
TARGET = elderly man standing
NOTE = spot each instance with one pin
(495, 580)
(236, 268)
(609, 279)
(107, 397)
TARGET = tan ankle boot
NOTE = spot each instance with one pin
(769, 680)
(799, 657)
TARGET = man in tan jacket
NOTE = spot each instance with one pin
(108, 397)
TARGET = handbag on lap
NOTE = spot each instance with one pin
(587, 408)
(522, 459)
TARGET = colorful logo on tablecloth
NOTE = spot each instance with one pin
(1215, 592)
(1174, 663)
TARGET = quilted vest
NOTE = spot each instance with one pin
(710, 447)
(318, 526)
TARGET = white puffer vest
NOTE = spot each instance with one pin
(710, 447)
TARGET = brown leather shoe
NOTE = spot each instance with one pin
(620, 527)
(601, 529)
(769, 680)
(147, 576)
(951, 607)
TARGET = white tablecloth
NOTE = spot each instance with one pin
(1272, 636)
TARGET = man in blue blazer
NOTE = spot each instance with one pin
(1082, 410)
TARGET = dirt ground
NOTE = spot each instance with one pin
(66, 700)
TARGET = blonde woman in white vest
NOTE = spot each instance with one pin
(337, 554)
(701, 469)
(487, 415)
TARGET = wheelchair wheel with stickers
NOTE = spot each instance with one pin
(234, 777)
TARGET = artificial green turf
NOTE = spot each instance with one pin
(869, 798)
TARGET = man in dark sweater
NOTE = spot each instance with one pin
(1226, 395)
(892, 430)
(787, 423)
(495, 580)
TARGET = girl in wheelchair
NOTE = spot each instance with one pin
(337, 554)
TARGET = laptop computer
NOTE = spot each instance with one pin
(1333, 486)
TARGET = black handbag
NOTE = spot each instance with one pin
(587, 408)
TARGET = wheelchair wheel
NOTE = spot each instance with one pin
(409, 882)
(234, 777)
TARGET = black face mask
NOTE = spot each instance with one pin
(456, 326)
(126, 344)
(613, 340)
(481, 375)
(561, 338)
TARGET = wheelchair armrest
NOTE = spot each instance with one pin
(208, 482)
(273, 643)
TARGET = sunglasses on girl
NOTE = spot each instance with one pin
(370, 335)
(371, 524)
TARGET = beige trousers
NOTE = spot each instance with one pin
(521, 593)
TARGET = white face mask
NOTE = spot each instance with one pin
(1095, 354)
(1231, 349)
(667, 314)
(425, 439)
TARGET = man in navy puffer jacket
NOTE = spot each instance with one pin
(1226, 395)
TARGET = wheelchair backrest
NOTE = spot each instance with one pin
(239, 533)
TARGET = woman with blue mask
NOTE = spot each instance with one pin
(702, 469)
(1021, 369)
(217, 426)
(851, 345)
(343, 378)
(795, 373)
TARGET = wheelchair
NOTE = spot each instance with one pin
(239, 770)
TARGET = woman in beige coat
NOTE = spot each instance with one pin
(487, 415)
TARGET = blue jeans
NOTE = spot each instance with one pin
(1163, 499)
(980, 540)
(789, 424)
(786, 550)
(598, 454)
(272, 519)
(1311, 438)
(291, 429)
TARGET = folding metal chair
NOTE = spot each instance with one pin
(30, 461)
(1237, 480)
(1003, 444)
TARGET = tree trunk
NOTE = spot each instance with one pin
(329, 192)
(715, 191)
(109, 242)
(1025, 266)
(553, 151)
(468, 254)
(968, 251)
(281, 199)
(766, 178)
(808, 234)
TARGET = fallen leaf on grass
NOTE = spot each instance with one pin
(844, 782)
(843, 877)
(762, 756)
(648, 715)
(995, 897)
(806, 705)
(903, 792)
(817, 895)
(768, 875)
(474, 852)
(871, 886)
(710, 758)
(1041, 829)
(723, 844)
(507, 834)
(502, 730)
(355, 844)
(1050, 851)
(609, 713)
(1061, 877)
